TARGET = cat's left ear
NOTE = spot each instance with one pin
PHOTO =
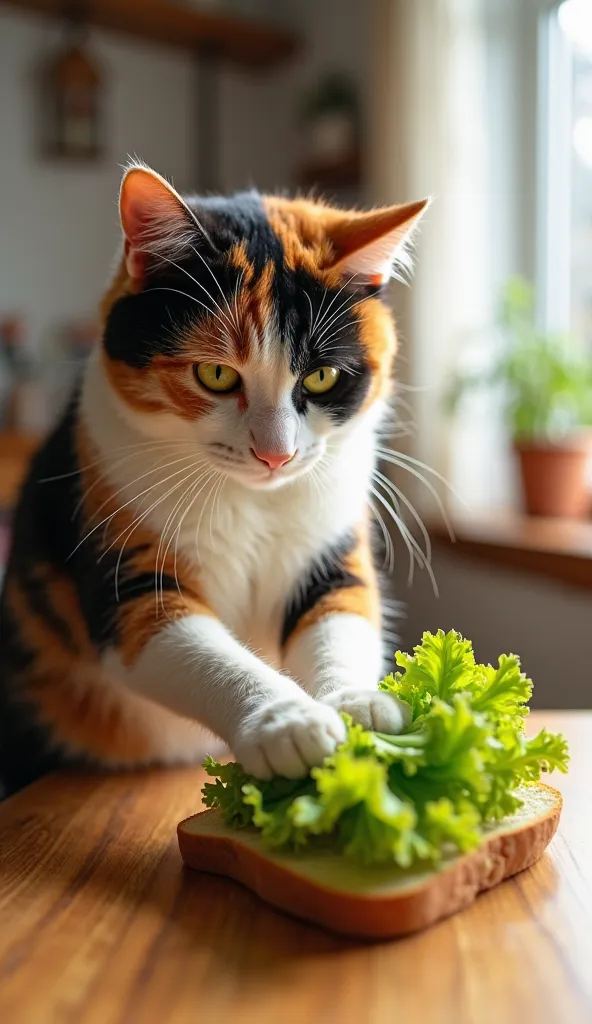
(370, 245)
(156, 223)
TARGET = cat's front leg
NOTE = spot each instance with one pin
(332, 641)
(197, 669)
(338, 661)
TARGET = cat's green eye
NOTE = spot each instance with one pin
(217, 376)
(322, 380)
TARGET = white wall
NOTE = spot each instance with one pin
(59, 227)
(260, 125)
(339, 39)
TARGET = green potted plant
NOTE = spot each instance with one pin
(329, 122)
(546, 388)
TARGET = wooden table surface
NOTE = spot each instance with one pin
(99, 924)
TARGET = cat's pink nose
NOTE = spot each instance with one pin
(273, 459)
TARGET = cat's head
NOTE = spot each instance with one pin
(254, 325)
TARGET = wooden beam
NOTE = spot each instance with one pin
(247, 43)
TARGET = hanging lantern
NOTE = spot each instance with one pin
(71, 100)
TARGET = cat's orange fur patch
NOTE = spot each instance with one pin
(84, 712)
(300, 225)
(237, 257)
(137, 387)
(259, 304)
(378, 336)
(139, 620)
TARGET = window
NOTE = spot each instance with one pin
(566, 196)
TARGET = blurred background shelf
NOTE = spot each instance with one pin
(241, 41)
(15, 453)
(330, 174)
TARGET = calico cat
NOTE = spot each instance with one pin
(191, 553)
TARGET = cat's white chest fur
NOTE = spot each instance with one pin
(256, 549)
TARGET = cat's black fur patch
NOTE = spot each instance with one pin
(326, 576)
(47, 532)
(26, 750)
(153, 322)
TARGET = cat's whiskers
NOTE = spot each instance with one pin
(184, 270)
(342, 311)
(189, 496)
(195, 491)
(121, 507)
(333, 354)
(126, 533)
(309, 300)
(321, 304)
(215, 474)
(136, 522)
(319, 326)
(389, 546)
(414, 549)
(389, 557)
(326, 344)
(215, 503)
(414, 389)
(401, 403)
(393, 453)
(338, 332)
(220, 288)
(129, 530)
(120, 462)
(334, 346)
(407, 463)
(169, 521)
(177, 533)
(338, 315)
(313, 478)
(321, 339)
(179, 291)
(192, 494)
(142, 476)
(105, 458)
(396, 493)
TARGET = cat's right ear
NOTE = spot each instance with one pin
(157, 225)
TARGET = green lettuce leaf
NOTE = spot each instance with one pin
(419, 796)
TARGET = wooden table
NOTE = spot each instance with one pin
(99, 924)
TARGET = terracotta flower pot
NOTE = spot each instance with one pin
(554, 478)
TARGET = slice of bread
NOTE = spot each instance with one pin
(372, 902)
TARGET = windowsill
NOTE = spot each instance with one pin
(560, 549)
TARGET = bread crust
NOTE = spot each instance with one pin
(374, 915)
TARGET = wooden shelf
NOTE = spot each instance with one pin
(329, 175)
(248, 43)
(15, 453)
(560, 549)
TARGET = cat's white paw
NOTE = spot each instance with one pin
(373, 709)
(287, 737)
